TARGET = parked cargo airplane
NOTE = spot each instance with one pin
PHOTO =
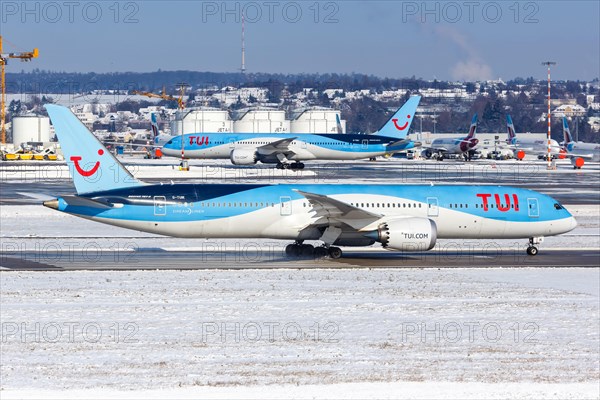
(441, 148)
(399, 217)
(250, 148)
(578, 152)
(522, 145)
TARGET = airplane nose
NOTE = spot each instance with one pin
(573, 223)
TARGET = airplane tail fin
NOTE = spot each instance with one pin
(154, 126)
(91, 165)
(472, 128)
(566, 133)
(512, 135)
(399, 125)
(339, 124)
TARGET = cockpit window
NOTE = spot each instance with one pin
(170, 141)
(558, 206)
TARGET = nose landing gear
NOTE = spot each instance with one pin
(532, 249)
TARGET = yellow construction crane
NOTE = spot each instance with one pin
(26, 56)
(163, 95)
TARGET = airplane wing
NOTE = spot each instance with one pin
(400, 143)
(278, 146)
(129, 144)
(331, 209)
(588, 156)
(438, 148)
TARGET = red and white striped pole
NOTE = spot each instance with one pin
(549, 156)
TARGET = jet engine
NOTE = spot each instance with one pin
(406, 234)
(243, 156)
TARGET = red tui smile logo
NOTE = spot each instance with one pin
(403, 127)
(82, 171)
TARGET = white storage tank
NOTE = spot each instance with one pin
(201, 121)
(30, 128)
(262, 121)
(317, 121)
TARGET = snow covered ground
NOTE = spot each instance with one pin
(448, 333)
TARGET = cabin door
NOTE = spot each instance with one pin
(533, 208)
(285, 203)
(433, 209)
(160, 205)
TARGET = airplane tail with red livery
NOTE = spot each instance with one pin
(399, 125)
(472, 128)
(91, 165)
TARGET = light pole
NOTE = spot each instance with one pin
(549, 156)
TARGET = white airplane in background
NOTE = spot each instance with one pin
(578, 152)
(524, 145)
(443, 147)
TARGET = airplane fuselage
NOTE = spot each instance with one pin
(282, 212)
(535, 146)
(590, 151)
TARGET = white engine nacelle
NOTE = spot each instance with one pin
(243, 157)
(408, 234)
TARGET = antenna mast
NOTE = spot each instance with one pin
(243, 69)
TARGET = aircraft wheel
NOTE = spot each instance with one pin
(290, 250)
(307, 250)
(300, 165)
(320, 252)
(279, 166)
(335, 252)
(532, 250)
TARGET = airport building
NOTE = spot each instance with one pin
(256, 120)
(201, 120)
(261, 121)
(30, 129)
(317, 120)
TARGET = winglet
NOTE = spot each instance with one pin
(91, 165)
(399, 125)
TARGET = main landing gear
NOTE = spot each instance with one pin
(532, 250)
(309, 251)
(293, 166)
